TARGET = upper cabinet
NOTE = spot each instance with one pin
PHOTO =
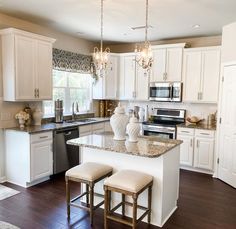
(133, 81)
(106, 87)
(27, 65)
(201, 73)
(167, 62)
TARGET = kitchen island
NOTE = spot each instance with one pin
(158, 157)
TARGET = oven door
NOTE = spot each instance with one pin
(160, 131)
(160, 91)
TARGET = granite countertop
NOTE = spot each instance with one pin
(202, 126)
(56, 126)
(147, 146)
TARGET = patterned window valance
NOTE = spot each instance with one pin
(71, 62)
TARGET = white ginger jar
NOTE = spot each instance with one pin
(133, 129)
(118, 122)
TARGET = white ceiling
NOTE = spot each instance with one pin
(169, 18)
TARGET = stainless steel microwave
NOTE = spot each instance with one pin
(165, 91)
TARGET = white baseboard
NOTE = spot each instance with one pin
(3, 179)
(196, 170)
(170, 214)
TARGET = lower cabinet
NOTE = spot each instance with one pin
(197, 149)
(94, 128)
(30, 163)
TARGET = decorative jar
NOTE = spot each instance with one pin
(133, 129)
(118, 121)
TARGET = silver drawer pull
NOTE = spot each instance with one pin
(43, 137)
(204, 134)
(184, 131)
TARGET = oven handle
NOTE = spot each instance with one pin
(159, 129)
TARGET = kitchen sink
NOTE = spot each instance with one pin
(81, 120)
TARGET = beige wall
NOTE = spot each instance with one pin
(229, 43)
(193, 42)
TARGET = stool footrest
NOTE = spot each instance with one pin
(119, 220)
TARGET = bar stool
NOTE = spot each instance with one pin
(88, 173)
(132, 183)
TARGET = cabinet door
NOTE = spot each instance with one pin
(127, 77)
(159, 65)
(142, 84)
(44, 70)
(204, 151)
(192, 75)
(111, 78)
(186, 150)
(174, 64)
(210, 75)
(41, 160)
(25, 68)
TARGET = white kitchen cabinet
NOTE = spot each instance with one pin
(167, 62)
(41, 159)
(127, 77)
(106, 87)
(201, 72)
(186, 150)
(197, 149)
(204, 151)
(134, 81)
(27, 65)
(95, 128)
(30, 163)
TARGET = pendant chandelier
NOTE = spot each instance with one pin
(100, 57)
(143, 53)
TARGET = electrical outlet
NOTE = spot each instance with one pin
(6, 116)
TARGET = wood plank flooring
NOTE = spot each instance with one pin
(204, 203)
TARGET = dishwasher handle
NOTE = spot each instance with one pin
(67, 133)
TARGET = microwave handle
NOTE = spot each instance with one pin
(171, 91)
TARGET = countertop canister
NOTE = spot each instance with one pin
(119, 121)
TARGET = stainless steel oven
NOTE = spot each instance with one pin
(165, 91)
(164, 122)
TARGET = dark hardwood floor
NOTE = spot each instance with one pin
(204, 203)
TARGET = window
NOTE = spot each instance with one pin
(70, 87)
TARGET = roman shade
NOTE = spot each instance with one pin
(72, 62)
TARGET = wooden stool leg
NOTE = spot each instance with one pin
(87, 195)
(134, 211)
(123, 204)
(91, 195)
(106, 206)
(68, 197)
(149, 203)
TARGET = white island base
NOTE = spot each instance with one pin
(165, 172)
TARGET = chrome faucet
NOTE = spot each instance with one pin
(75, 110)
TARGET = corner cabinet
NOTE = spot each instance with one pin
(32, 163)
(27, 66)
(201, 74)
(167, 62)
(106, 87)
(197, 150)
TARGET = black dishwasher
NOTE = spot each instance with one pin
(64, 156)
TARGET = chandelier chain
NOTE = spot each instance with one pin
(146, 26)
(102, 25)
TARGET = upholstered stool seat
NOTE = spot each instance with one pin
(132, 183)
(89, 171)
(89, 174)
(128, 180)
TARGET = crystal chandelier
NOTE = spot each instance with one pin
(143, 53)
(100, 57)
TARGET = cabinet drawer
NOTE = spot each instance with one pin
(85, 129)
(185, 131)
(41, 137)
(205, 133)
(98, 126)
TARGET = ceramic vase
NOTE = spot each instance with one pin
(118, 122)
(37, 116)
(133, 129)
(22, 123)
